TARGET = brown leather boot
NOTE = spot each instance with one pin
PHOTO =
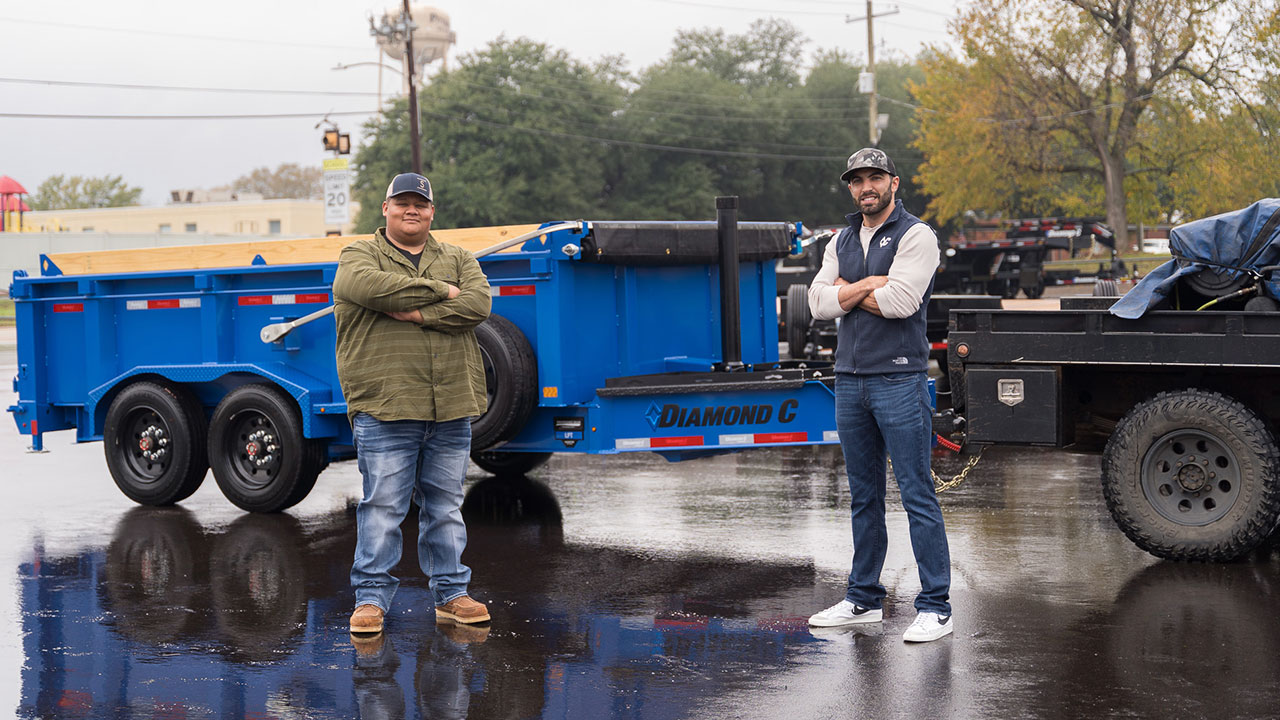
(367, 619)
(462, 610)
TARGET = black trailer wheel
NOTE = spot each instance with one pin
(1105, 287)
(1034, 291)
(798, 321)
(505, 464)
(259, 456)
(510, 381)
(1193, 475)
(154, 440)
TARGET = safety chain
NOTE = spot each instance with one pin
(940, 485)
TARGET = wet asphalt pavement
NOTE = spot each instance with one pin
(620, 587)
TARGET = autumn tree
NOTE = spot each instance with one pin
(1063, 105)
(60, 192)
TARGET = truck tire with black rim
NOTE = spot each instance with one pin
(259, 456)
(154, 440)
(1034, 291)
(510, 381)
(798, 321)
(504, 464)
(1193, 475)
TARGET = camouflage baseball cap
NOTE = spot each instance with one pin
(868, 158)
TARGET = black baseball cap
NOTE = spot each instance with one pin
(410, 183)
(868, 158)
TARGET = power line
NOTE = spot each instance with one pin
(263, 116)
(185, 88)
(775, 11)
(187, 36)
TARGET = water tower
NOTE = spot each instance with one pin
(431, 36)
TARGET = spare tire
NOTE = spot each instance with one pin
(798, 320)
(510, 382)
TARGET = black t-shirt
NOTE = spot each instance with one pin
(411, 257)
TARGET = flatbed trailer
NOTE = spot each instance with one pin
(1181, 405)
(605, 337)
(1017, 262)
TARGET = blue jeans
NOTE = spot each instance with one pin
(402, 459)
(875, 414)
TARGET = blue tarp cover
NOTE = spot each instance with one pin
(1224, 239)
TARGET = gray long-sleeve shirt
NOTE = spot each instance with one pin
(913, 268)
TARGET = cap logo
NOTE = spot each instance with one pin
(422, 183)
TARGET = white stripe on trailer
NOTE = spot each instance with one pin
(632, 444)
(748, 439)
(830, 436)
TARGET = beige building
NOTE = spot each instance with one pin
(248, 215)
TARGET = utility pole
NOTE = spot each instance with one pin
(403, 28)
(873, 115)
(413, 90)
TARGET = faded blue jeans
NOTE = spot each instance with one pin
(405, 459)
(875, 414)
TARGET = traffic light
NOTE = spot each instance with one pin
(337, 142)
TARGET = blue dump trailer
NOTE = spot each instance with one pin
(605, 337)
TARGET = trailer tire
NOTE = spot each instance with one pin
(1034, 291)
(1193, 475)
(154, 441)
(509, 464)
(250, 421)
(798, 321)
(510, 380)
(1105, 287)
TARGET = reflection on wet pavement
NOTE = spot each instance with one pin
(641, 589)
(250, 617)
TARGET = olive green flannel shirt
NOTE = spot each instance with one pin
(396, 370)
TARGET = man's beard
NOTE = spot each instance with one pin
(882, 202)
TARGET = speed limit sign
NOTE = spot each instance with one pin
(337, 192)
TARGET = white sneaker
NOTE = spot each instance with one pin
(845, 613)
(927, 627)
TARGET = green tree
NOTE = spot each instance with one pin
(502, 138)
(60, 192)
(521, 133)
(289, 180)
(1063, 105)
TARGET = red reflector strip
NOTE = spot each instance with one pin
(675, 441)
(510, 290)
(652, 443)
(163, 304)
(938, 345)
(781, 437)
(283, 299)
(68, 307)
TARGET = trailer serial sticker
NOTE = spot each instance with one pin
(1010, 392)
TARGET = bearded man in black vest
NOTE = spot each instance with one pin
(876, 278)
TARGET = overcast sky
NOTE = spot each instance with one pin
(292, 45)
